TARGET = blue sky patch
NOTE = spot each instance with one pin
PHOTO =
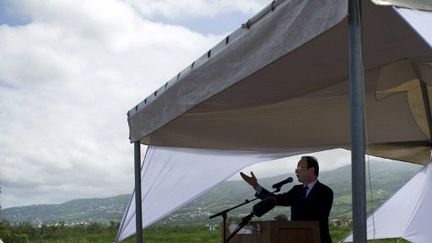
(10, 16)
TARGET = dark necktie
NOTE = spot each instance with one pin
(304, 193)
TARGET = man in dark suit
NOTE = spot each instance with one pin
(310, 201)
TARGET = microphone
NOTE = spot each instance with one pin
(278, 185)
(264, 206)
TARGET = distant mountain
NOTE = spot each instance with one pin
(71, 212)
(386, 178)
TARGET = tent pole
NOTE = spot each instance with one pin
(138, 210)
(356, 73)
(425, 95)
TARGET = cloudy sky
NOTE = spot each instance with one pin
(71, 69)
(69, 72)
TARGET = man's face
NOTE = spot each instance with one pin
(303, 173)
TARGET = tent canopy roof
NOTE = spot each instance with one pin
(281, 82)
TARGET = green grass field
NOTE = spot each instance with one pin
(95, 233)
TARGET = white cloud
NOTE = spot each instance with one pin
(67, 80)
(173, 9)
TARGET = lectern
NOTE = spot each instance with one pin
(278, 231)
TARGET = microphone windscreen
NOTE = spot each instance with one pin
(264, 206)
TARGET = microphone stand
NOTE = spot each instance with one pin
(224, 215)
(244, 222)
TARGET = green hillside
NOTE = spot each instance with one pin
(386, 177)
(72, 212)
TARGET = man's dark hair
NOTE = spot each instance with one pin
(312, 162)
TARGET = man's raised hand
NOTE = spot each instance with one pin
(251, 180)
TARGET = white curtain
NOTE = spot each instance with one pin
(406, 214)
(420, 21)
(172, 177)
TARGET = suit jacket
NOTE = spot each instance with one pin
(315, 207)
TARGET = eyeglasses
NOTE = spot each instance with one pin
(300, 168)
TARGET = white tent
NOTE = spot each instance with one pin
(407, 213)
(172, 177)
(262, 87)
(279, 86)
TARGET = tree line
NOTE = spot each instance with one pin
(25, 232)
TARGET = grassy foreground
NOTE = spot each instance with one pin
(96, 233)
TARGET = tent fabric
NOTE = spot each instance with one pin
(288, 74)
(410, 4)
(420, 21)
(256, 47)
(172, 177)
(407, 213)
